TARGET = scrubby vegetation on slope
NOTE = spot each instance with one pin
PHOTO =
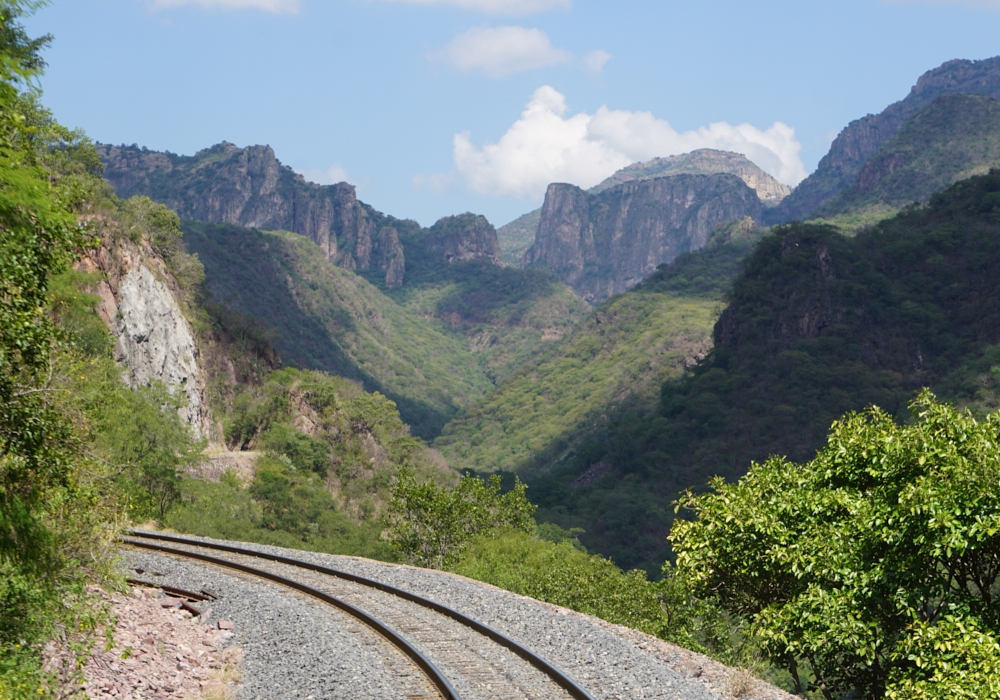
(329, 319)
(955, 137)
(552, 418)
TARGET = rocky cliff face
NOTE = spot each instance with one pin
(250, 187)
(704, 161)
(154, 340)
(861, 138)
(606, 243)
(518, 235)
(463, 238)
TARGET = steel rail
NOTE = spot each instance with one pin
(560, 678)
(425, 664)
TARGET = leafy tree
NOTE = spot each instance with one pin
(143, 439)
(876, 562)
(430, 524)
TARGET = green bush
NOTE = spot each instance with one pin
(430, 525)
(874, 563)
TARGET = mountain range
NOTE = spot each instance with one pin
(709, 340)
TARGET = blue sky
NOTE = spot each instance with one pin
(435, 107)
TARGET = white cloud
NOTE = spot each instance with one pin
(331, 176)
(501, 51)
(276, 6)
(498, 7)
(545, 146)
(593, 62)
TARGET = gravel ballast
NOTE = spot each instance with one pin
(608, 660)
(293, 646)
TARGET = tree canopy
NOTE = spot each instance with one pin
(875, 564)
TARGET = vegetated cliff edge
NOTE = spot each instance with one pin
(860, 139)
(955, 137)
(605, 243)
(518, 235)
(250, 187)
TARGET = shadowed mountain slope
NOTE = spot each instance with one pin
(859, 140)
(331, 319)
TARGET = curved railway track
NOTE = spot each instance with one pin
(439, 640)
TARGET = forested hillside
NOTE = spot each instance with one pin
(551, 421)
(955, 137)
(817, 324)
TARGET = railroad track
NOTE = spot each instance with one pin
(446, 645)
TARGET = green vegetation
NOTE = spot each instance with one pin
(550, 421)
(49, 507)
(955, 137)
(477, 530)
(517, 236)
(329, 319)
(507, 318)
(873, 565)
(430, 525)
(817, 325)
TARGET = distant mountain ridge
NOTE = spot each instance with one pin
(518, 235)
(703, 161)
(860, 139)
(955, 137)
(250, 187)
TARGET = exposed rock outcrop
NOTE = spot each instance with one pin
(704, 161)
(153, 339)
(250, 187)
(860, 139)
(518, 235)
(463, 238)
(606, 243)
(955, 137)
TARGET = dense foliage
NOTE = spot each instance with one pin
(875, 563)
(431, 525)
(53, 506)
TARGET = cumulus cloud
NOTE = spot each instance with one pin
(501, 51)
(275, 6)
(593, 62)
(498, 7)
(545, 145)
(331, 176)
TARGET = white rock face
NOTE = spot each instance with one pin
(155, 341)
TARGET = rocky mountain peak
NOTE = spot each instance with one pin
(463, 238)
(703, 161)
(250, 187)
(605, 243)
